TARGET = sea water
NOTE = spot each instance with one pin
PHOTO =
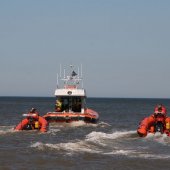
(110, 144)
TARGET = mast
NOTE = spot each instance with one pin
(72, 79)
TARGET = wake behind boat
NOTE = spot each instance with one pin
(70, 101)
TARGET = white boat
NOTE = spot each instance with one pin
(71, 100)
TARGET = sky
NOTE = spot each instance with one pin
(123, 46)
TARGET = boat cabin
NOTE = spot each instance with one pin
(70, 100)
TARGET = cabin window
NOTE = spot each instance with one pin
(68, 104)
(76, 104)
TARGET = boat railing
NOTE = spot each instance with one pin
(71, 81)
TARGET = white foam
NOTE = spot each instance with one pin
(80, 146)
(84, 145)
(53, 131)
(89, 146)
(70, 147)
(93, 136)
(153, 156)
(72, 124)
(158, 137)
(77, 124)
(2, 132)
(103, 124)
(6, 129)
(136, 154)
(38, 145)
(121, 152)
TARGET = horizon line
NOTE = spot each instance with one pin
(89, 97)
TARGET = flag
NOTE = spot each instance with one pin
(73, 73)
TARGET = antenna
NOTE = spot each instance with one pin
(71, 66)
(81, 71)
(64, 73)
(82, 84)
(57, 81)
(60, 70)
(78, 72)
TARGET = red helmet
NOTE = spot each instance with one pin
(33, 113)
(160, 109)
(32, 110)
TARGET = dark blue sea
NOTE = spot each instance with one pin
(111, 144)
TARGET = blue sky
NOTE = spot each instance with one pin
(123, 46)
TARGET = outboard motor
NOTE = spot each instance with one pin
(31, 120)
(159, 127)
(29, 125)
(160, 123)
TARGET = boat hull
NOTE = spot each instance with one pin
(89, 116)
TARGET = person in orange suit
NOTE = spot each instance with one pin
(33, 121)
(158, 121)
(58, 105)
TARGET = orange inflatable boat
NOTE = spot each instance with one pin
(33, 122)
(157, 122)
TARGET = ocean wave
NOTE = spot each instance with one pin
(53, 131)
(93, 136)
(137, 154)
(152, 156)
(6, 129)
(97, 143)
(69, 147)
(103, 124)
(121, 152)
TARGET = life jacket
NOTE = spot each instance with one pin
(58, 106)
(32, 122)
